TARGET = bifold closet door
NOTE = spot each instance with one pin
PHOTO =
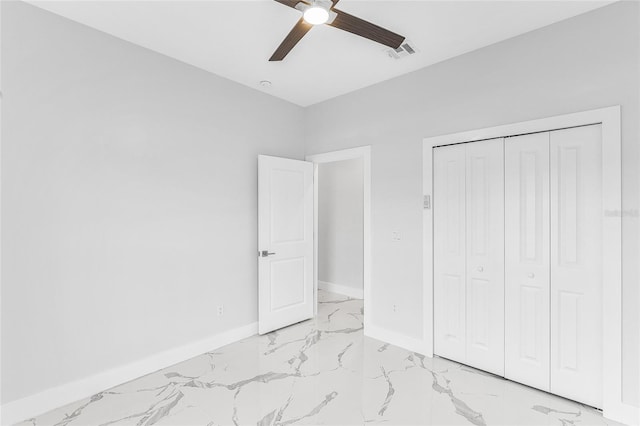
(449, 269)
(527, 269)
(576, 264)
(485, 255)
(469, 254)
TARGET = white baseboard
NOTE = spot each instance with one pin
(354, 293)
(50, 399)
(405, 342)
(622, 413)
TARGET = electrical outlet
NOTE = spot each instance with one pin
(395, 308)
(220, 310)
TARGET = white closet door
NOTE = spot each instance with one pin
(527, 272)
(485, 255)
(449, 252)
(576, 266)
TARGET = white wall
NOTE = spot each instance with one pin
(129, 188)
(340, 223)
(587, 62)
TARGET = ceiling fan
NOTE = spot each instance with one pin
(318, 12)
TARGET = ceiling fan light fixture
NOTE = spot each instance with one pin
(318, 12)
(316, 15)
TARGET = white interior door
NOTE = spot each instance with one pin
(449, 252)
(527, 272)
(576, 266)
(485, 255)
(285, 242)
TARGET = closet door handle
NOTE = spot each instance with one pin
(480, 269)
(531, 275)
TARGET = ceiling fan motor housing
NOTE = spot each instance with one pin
(325, 4)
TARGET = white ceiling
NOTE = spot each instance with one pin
(235, 39)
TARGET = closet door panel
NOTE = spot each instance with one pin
(449, 252)
(485, 255)
(576, 266)
(527, 269)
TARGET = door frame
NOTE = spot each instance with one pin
(613, 405)
(363, 152)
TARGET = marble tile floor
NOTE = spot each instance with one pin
(321, 371)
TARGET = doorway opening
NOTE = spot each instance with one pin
(342, 224)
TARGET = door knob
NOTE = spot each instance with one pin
(531, 275)
(480, 269)
(265, 253)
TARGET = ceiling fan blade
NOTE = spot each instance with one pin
(291, 3)
(365, 29)
(294, 36)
